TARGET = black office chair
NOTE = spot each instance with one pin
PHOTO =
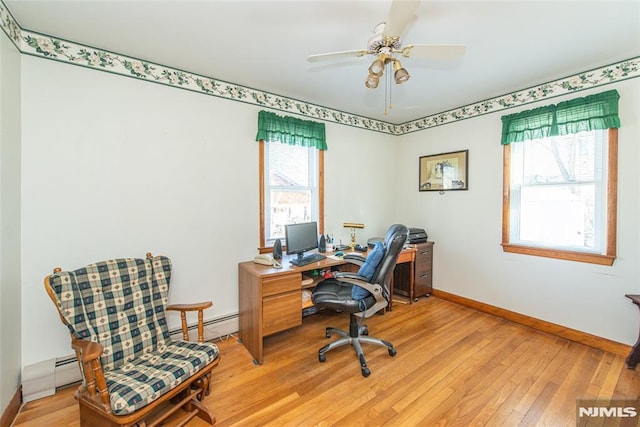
(361, 295)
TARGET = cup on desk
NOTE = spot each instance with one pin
(330, 247)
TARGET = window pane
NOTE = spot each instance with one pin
(568, 158)
(289, 165)
(291, 187)
(288, 207)
(558, 192)
(561, 215)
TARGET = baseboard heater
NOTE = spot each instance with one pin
(43, 378)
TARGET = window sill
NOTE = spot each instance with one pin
(560, 254)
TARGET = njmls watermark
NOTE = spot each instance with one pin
(616, 412)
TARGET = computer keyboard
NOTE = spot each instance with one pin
(307, 259)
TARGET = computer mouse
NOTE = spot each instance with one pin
(339, 253)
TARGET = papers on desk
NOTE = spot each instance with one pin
(340, 258)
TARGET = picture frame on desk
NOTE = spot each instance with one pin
(444, 171)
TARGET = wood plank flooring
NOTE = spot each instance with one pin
(455, 366)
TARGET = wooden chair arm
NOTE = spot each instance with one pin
(88, 354)
(88, 350)
(190, 307)
(183, 308)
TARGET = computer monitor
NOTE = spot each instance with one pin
(301, 237)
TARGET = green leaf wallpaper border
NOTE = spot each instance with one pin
(48, 47)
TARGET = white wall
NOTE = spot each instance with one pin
(117, 167)
(360, 182)
(466, 227)
(10, 305)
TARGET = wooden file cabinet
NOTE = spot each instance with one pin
(269, 303)
(421, 277)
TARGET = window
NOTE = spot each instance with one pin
(291, 188)
(560, 182)
(291, 174)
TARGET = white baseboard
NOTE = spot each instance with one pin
(38, 380)
(41, 379)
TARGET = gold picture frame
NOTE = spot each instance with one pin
(444, 171)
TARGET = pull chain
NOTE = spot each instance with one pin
(387, 89)
(390, 86)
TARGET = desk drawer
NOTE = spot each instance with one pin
(424, 254)
(281, 312)
(424, 257)
(281, 284)
(423, 278)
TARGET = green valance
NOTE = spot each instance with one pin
(599, 111)
(289, 130)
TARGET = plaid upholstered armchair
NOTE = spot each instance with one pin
(133, 372)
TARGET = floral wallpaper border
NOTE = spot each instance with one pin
(586, 80)
(9, 25)
(49, 47)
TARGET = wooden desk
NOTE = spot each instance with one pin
(270, 299)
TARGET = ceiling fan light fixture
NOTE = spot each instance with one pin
(377, 67)
(372, 81)
(400, 74)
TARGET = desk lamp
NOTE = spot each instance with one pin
(353, 226)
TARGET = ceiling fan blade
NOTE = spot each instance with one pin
(441, 52)
(401, 14)
(336, 55)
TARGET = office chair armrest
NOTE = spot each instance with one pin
(183, 308)
(376, 290)
(354, 259)
(348, 275)
(361, 281)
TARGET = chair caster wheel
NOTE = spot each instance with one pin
(366, 372)
(322, 358)
(393, 352)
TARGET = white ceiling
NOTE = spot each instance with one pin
(263, 44)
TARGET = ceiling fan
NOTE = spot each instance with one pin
(385, 43)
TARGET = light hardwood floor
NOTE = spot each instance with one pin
(455, 366)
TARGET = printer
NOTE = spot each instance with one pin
(417, 235)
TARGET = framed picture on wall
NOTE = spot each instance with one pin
(444, 171)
